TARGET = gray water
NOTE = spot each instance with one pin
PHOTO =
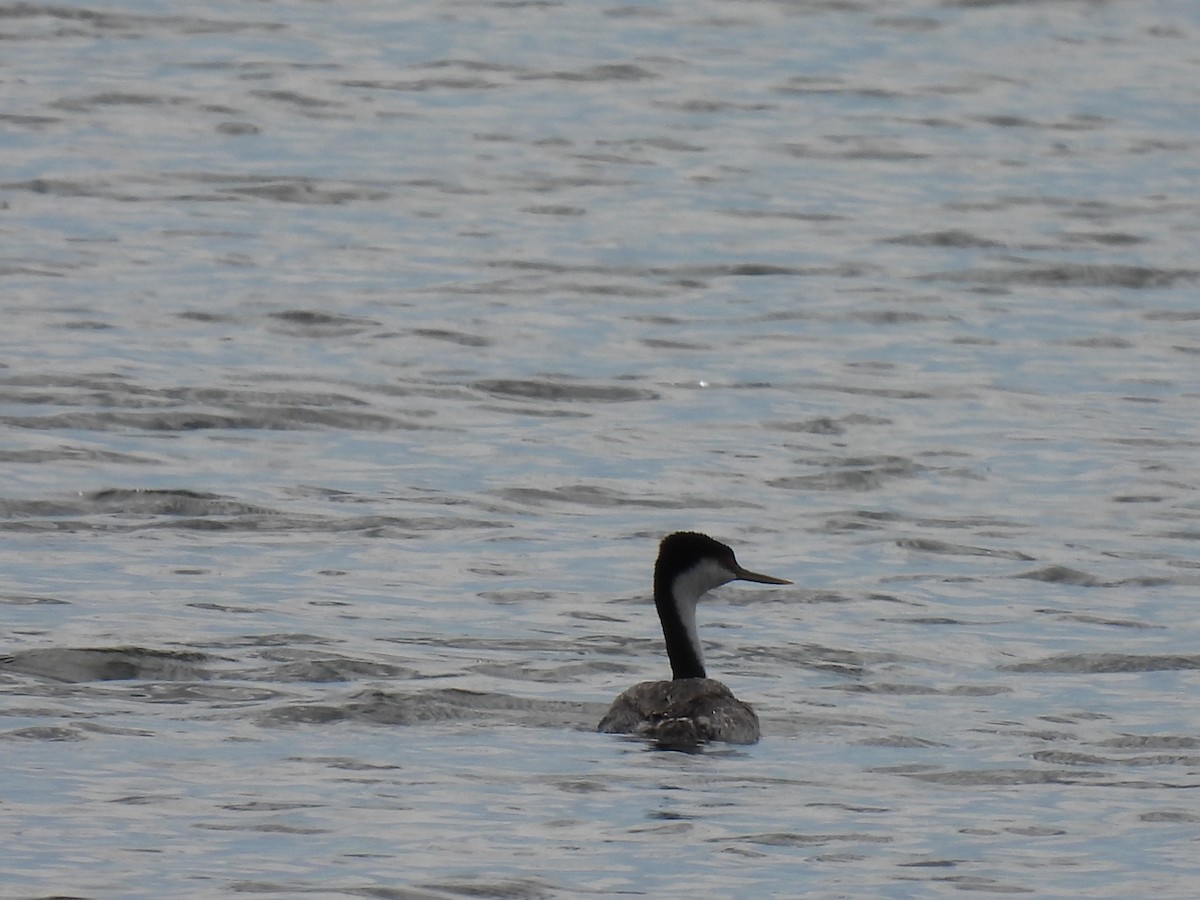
(356, 356)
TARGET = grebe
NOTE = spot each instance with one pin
(691, 708)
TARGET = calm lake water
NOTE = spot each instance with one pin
(356, 356)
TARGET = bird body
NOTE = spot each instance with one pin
(682, 711)
(691, 708)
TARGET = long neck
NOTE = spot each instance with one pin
(677, 612)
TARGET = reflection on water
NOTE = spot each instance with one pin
(354, 364)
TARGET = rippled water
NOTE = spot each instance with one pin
(356, 357)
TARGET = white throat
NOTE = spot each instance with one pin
(689, 587)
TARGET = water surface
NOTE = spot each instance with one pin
(356, 358)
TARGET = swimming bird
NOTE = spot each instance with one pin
(691, 708)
